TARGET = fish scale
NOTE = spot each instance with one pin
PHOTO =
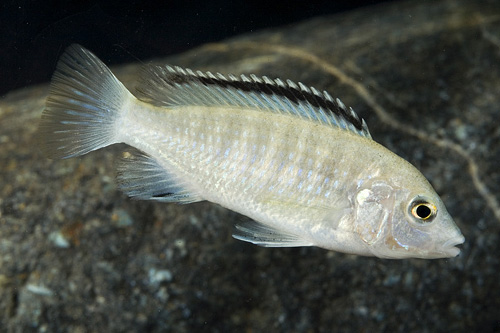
(299, 163)
(270, 157)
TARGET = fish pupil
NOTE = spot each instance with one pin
(423, 211)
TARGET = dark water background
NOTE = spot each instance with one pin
(33, 34)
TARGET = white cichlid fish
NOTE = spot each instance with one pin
(298, 162)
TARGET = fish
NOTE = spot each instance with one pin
(298, 163)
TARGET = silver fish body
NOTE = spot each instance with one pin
(296, 161)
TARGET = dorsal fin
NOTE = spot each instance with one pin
(171, 86)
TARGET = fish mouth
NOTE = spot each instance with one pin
(449, 247)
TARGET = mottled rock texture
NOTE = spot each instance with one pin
(76, 255)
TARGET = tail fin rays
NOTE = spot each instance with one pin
(84, 103)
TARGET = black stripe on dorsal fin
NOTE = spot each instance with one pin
(168, 86)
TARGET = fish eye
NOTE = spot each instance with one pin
(422, 211)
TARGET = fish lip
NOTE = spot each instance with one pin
(449, 247)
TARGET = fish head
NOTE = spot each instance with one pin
(396, 222)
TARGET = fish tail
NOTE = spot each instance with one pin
(84, 103)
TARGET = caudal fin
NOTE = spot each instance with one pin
(84, 103)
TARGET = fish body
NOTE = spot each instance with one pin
(299, 163)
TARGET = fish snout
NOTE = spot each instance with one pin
(449, 247)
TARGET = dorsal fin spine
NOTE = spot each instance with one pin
(171, 86)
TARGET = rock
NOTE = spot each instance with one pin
(425, 77)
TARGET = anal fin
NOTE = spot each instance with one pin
(263, 235)
(140, 176)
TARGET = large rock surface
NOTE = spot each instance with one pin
(76, 255)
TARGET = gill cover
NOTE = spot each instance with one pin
(373, 206)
